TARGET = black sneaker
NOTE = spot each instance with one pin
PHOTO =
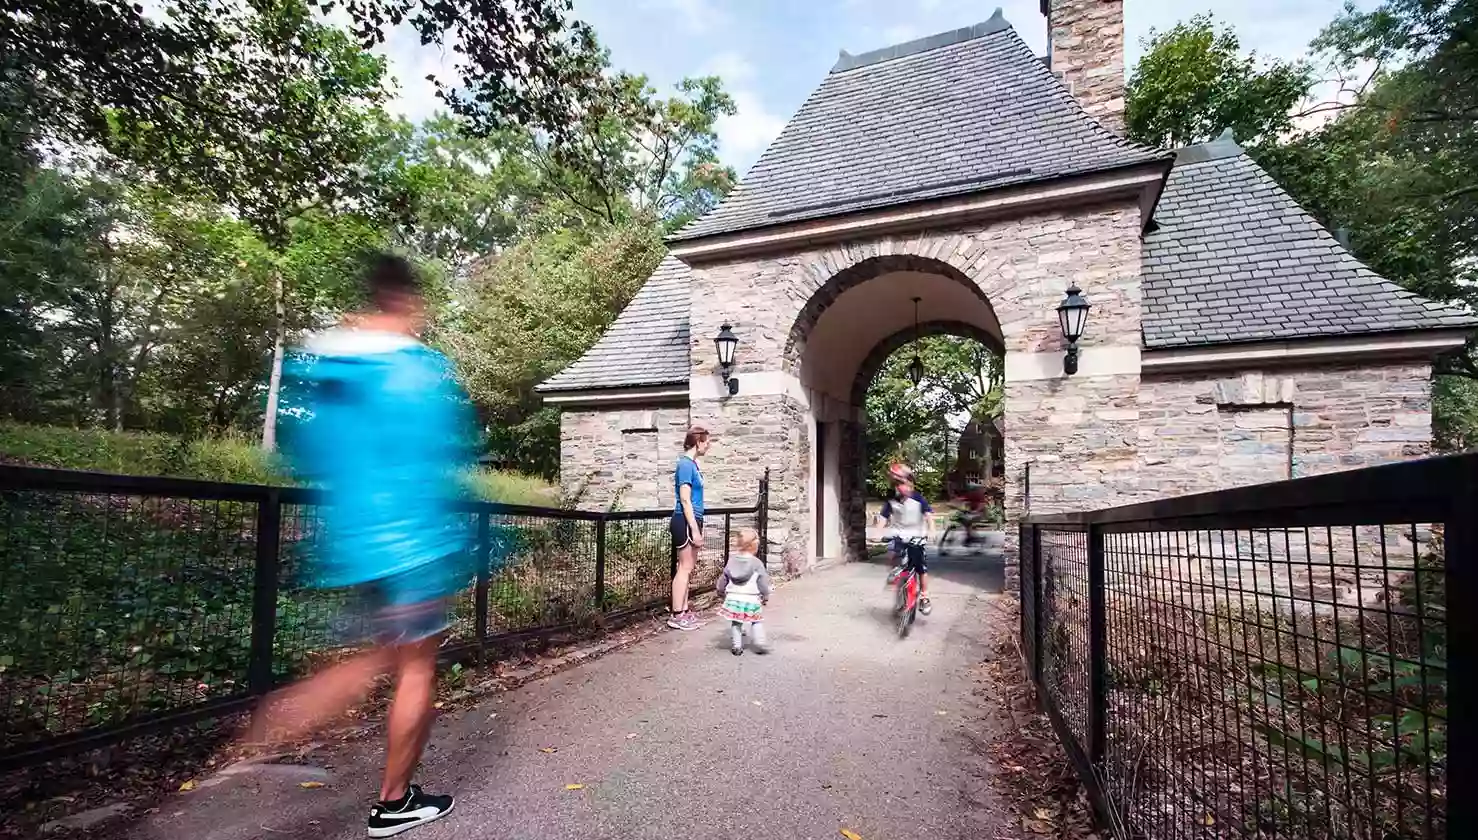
(388, 819)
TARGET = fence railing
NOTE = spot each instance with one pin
(132, 604)
(1269, 661)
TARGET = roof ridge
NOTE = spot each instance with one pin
(997, 23)
(1224, 146)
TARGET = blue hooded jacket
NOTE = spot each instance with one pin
(378, 421)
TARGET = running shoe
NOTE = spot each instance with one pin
(417, 807)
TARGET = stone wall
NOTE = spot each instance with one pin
(1209, 432)
(621, 455)
(1021, 265)
(753, 433)
(1086, 49)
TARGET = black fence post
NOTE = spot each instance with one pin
(600, 564)
(1039, 634)
(264, 592)
(728, 536)
(1460, 577)
(763, 519)
(484, 577)
(1097, 650)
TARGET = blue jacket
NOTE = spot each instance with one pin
(377, 420)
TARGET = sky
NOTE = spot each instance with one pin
(772, 53)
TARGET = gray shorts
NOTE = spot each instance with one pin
(400, 609)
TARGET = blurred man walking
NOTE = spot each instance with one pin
(384, 429)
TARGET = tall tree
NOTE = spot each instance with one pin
(1194, 81)
(634, 154)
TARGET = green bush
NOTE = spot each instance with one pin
(514, 489)
(231, 459)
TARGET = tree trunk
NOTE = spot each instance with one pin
(274, 385)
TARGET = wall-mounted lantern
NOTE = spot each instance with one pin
(1072, 316)
(726, 343)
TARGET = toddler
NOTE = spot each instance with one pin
(744, 589)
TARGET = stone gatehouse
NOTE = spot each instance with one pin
(1231, 340)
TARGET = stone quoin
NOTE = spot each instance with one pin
(1232, 340)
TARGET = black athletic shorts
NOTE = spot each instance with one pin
(907, 554)
(680, 536)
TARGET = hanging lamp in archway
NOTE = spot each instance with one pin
(916, 367)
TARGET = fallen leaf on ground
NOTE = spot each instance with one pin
(941, 712)
(310, 785)
(1043, 814)
(851, 835)
(1209, 820)
(188, 786)
(630, 735)
(439, 704)
(549, 749)
(757, 703)
(574, 787)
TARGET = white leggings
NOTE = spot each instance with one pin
(756, 635)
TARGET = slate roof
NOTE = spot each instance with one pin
(1234, 259)
(646, 345)
(947, 115)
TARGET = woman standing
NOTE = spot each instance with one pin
(687, 524)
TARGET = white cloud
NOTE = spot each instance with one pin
(697, 16)
(410, 63)
(730, 66)
(744, 135)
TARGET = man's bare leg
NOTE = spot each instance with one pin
(411, 715)
(301, 707)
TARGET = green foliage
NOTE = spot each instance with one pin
(514, 488)
(1193, 81)
(1454, 414)
(525, 315)
(920, 425)
(137, 453)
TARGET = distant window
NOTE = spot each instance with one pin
(972, 478)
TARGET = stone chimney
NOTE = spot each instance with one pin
(1085, 48)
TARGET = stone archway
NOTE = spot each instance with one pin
(839, 340)
(809, 317)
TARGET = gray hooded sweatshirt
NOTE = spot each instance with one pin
(744, 575)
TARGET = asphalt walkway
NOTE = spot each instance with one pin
(842, 726)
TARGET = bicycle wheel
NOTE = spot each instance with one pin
(902, 612)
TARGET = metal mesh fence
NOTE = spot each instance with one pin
(1262, 673)
(117, 605)
(129, 603)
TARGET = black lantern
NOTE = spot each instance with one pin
(726, 343)
(916, 367)
(916, 370)
(1072, 316)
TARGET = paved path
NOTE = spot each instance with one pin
(842, 726)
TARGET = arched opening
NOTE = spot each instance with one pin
(842, 338)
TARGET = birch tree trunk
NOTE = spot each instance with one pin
(274, 384)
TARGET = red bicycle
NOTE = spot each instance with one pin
(905, 583)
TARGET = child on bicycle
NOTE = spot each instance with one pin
(908, 515)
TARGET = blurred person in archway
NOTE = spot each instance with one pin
(386, 432)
